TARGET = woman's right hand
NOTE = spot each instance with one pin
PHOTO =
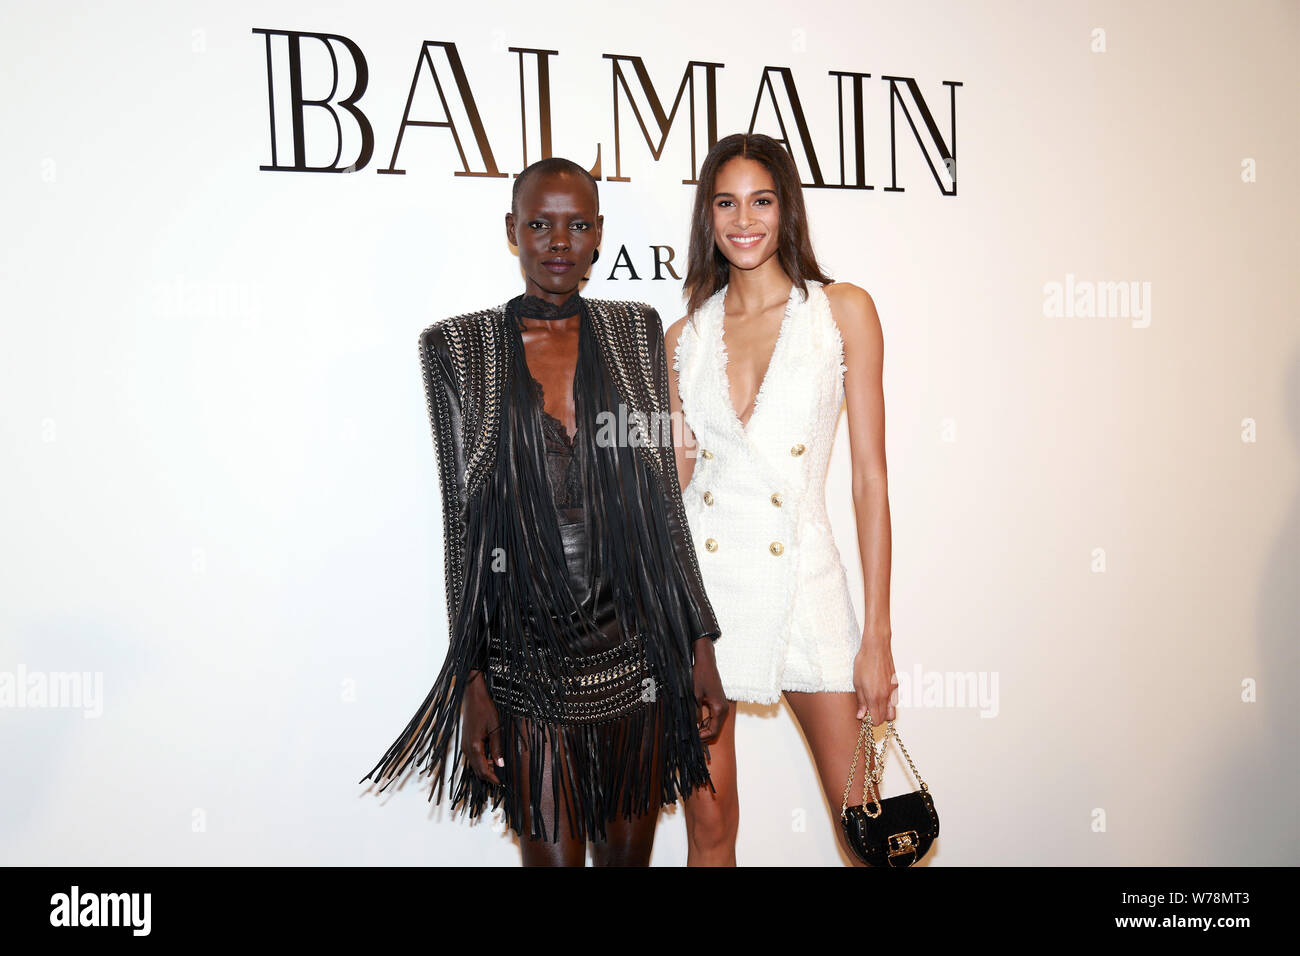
(480, 730)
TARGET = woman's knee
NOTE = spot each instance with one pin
(712, 820)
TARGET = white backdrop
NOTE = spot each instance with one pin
(219, 483)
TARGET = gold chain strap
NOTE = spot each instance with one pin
(870, 779)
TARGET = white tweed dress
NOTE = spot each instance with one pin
(756, 504)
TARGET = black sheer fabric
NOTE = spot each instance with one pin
(561, 461)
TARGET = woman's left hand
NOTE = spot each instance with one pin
(875, 681)
(709, 694)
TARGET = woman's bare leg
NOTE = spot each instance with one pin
(830, 724)
(629, 840)
(567, 850)
(713, 818)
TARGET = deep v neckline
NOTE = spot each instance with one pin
(539, 395)
(725, 361)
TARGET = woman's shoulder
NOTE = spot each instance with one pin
(629, 312)
(851, 305)
(673, 334)
(850, 295)
(853, 311)
(624, 306)
(435, 336)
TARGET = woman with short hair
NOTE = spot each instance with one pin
(581, 636)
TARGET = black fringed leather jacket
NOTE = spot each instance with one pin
(481, 438)
(466, 365)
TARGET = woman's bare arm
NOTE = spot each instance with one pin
(855, 314)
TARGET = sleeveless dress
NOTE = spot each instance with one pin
(756, 504)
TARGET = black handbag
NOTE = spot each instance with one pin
(896, 831)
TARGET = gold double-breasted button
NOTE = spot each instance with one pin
(776, 547)
(776, 498)
(797, 450)
(711, 545)
(706, 453)
(708, 497)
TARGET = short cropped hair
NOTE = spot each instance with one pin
(552, 164)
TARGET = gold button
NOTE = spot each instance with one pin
(776, 498)
(776, 547)
(706, 453)
(797, 450)
(710, 545)
(708, 497)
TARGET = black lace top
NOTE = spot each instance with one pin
(561, 461)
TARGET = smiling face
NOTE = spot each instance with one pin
(556, 229)
(746, 214)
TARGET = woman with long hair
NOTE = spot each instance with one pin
(767, 354)
(581, 637)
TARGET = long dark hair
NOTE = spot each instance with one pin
(708, 268)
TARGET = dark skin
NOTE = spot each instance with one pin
(556, 226)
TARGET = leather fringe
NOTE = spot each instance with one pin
(598, 770)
